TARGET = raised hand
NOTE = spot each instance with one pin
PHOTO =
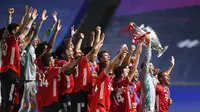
(102, 38)
(34, 14)
(44, 17)
(92, 36)
(82, 35)
(123, 49)
(133, 47)
(172, 60)
(98, 29)
(54, 15)
(58, 25)
(11, 11)
(73, 31)
(25, 10)
(30, 12)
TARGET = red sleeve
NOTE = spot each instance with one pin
(56, 71)
(60, 63)
(138, 87)
(158, 88)
(101, 78)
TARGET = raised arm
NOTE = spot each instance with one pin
(168, 70)
(23, 16)
(128, 56)
(50, 28)
(29, 36)
(53, 38)
(23, 31)
(43, 18)
(136, 62)
(9, 20)
(148, 54)
(114, 60)
(69, 66)
(98, 34)
(92, 36)
(78, 45)
(95, 48)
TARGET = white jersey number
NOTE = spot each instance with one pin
(43, 81)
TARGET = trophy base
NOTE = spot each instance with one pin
(161, 52)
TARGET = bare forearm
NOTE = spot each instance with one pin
(97, 38)
(91, 43)
(134, 67)
(78, 46)
(21, 20)
(52, 41)
(48, 32)
(6, 28)
(27, 40)
(69, 43)
(70, 65)
(169, 69)
(112, 64)
(127, 58)
(35, 34)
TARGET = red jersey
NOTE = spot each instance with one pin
(48, 88)
(38, 61)
(162, 98)
(83, 77)
(10, 55)
(65, 83)
(121, 98)
(102, 94)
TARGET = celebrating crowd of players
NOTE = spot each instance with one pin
(70, 80)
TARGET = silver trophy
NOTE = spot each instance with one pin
(156, 45)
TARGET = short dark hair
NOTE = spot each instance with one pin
(40, 48)
(2, 32)
(60, 52)
(86, 49)
(118, 71)
(160, 75)
(11, 27)
(100, 54)
(46, 58)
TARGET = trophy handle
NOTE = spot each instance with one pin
(160, 53)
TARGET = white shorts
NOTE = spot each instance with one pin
(147, 110)
(29, 94)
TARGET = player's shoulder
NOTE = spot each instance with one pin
(59, 63)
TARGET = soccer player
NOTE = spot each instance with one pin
(162, 89)
(29, 95)
(121, 80)
(10, 59)
(83, 78)
(147, 83)
(101, 98)
(48, 82)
